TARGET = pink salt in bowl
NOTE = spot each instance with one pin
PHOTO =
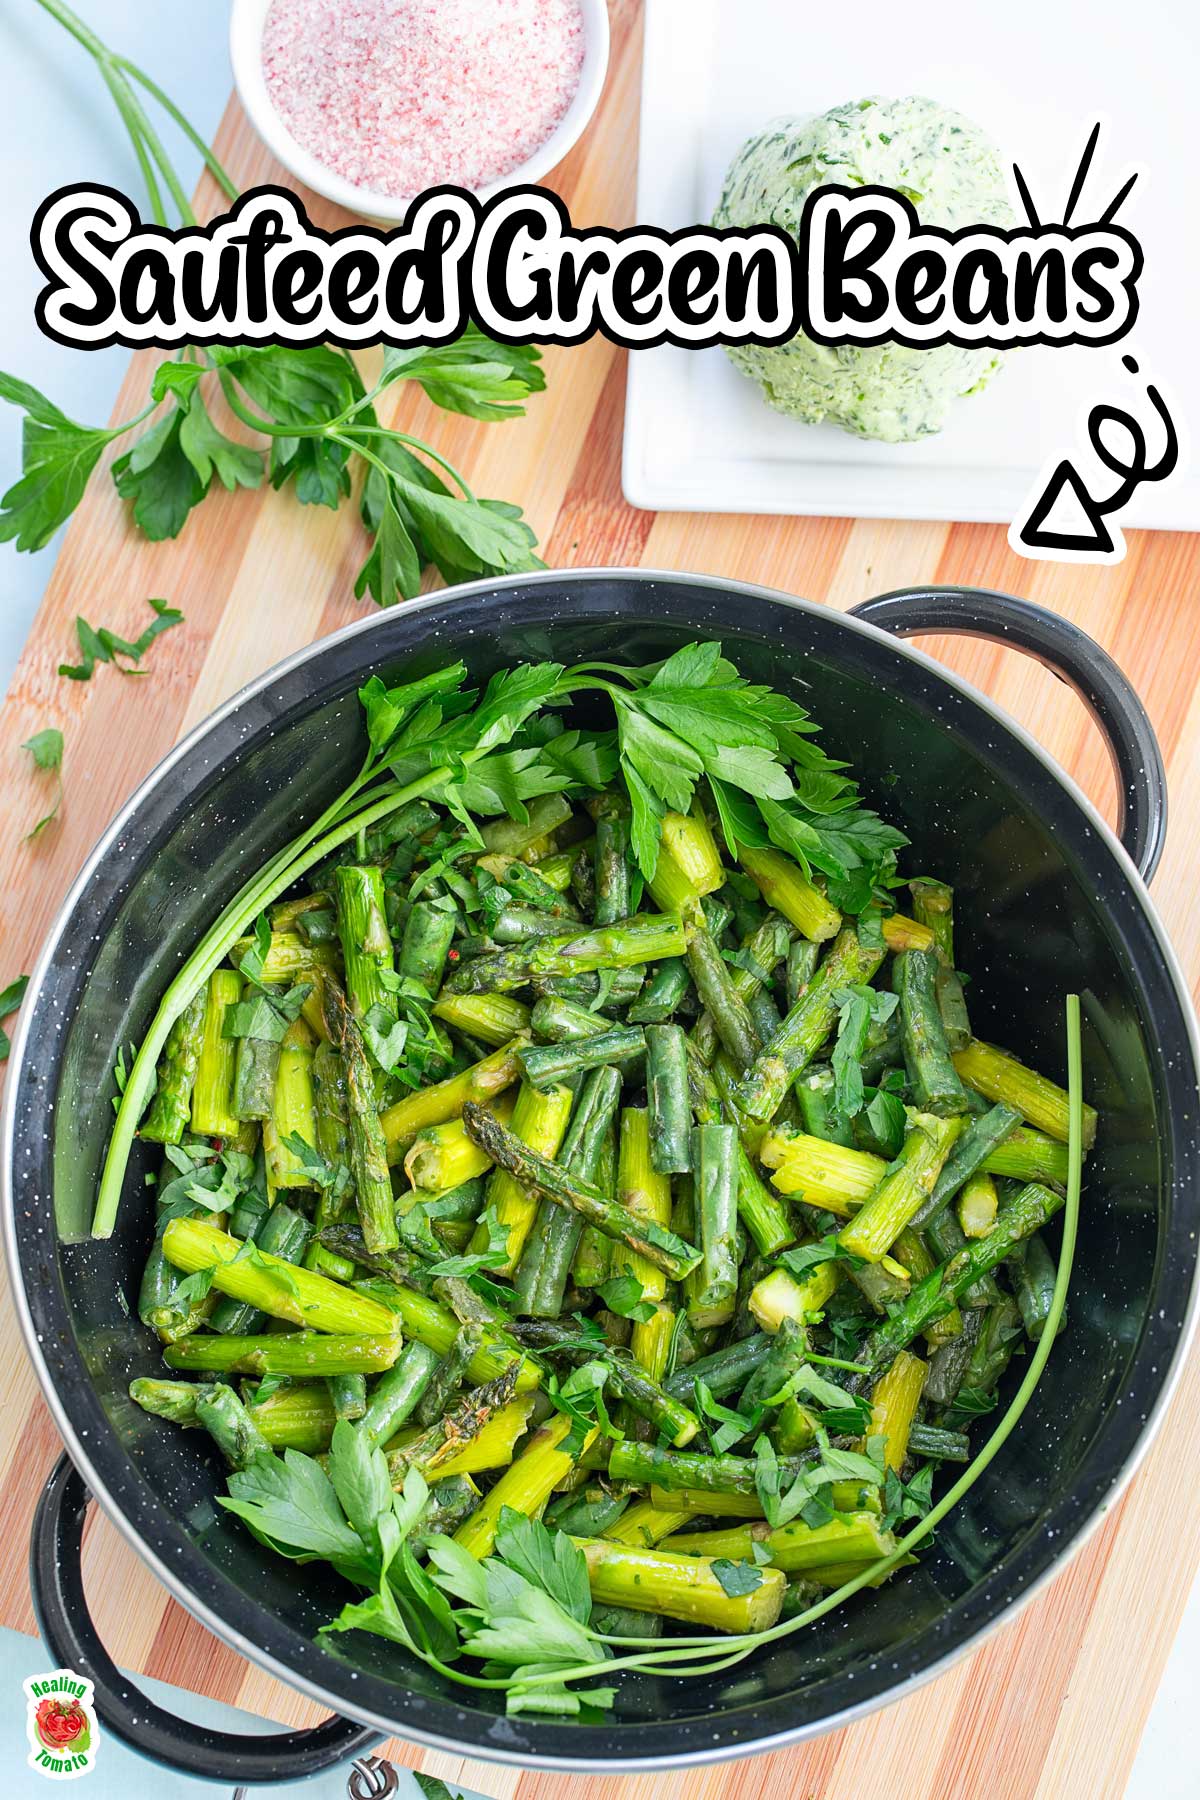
(317, 114)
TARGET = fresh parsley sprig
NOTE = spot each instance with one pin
(693, 719)
(310, 404)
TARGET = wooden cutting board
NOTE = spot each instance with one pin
(1032, 1713)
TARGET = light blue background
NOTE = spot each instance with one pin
(59, 126)
(119, 1774)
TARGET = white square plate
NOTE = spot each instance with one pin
(1036, 76)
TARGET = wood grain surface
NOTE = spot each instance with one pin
(1053, 1705)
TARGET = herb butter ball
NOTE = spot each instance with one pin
(951, 172)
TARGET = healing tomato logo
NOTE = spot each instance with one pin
(60, 1724)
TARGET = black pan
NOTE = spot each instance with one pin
(1049, 900)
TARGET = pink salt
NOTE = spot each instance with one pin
(399, 95)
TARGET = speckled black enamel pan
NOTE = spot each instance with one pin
(1049, 900)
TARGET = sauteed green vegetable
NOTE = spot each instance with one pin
(585, 1208)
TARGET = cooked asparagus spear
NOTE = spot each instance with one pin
(849, 1537)
(643, 1190)
(593, 1255)
(538, 1175)
(541, 1278)
(780, 1296)
(720, 997)
(368, 1146)
(1034, 1277)
(802, 959)
(977, 1204)
(611, 813)
(642, 939)
(935, 1083)
(449, 1375)
(1017, 1219)
(822, 1173)
(493, 1019)
(712, 1299)
(528, 886)
(293, 1112)
(806, 1026)
(283, 1233)
(681, 1587)
(285, 1353)
(674, 1470)
(725, 1371)
(229, 1425)
(934, 1441)
(174, 1400)
(366, 941)
(525, 1485)
(909, 1180)
(788, 891)
(557, 1021)
(663, 994)
(276, 1287)
(256, 1064)
(489, 1444)
(1001, 1078)
(688, 840)
(894, 1402)
(539, 1120)
(170, 1110)
(212, 1091)
(435, 1325)
(546, 1065)
(667, 1095)
(626, 1378)
(445, 1100)
(443, 1156)
(933, 905)
(428, 933)
(982, 1137)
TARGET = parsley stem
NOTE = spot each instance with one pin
(414, 443)
(255, 421)
(837, 1362)
(224, 181)
(117, 89)
(132, 112)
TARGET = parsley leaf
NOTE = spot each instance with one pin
(10, 999)
(293, 1503)
(493, 1257)
(58, 457)
(334, 1179)
(99, 644)
(548, 1559)
(858, 1007)
(625, 1296)
(906, 1500)
(803, 1257)
(266, 1014)
(384, 1036)
(159, 479)
(46, 749)
(731, 1426)
(737, 1578)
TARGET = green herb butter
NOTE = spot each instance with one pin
(951, 172)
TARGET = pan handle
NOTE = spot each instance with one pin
(60, 1607)
(1076, 659)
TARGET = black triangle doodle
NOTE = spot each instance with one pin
(1037, 536)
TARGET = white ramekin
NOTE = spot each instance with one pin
(246, 22)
